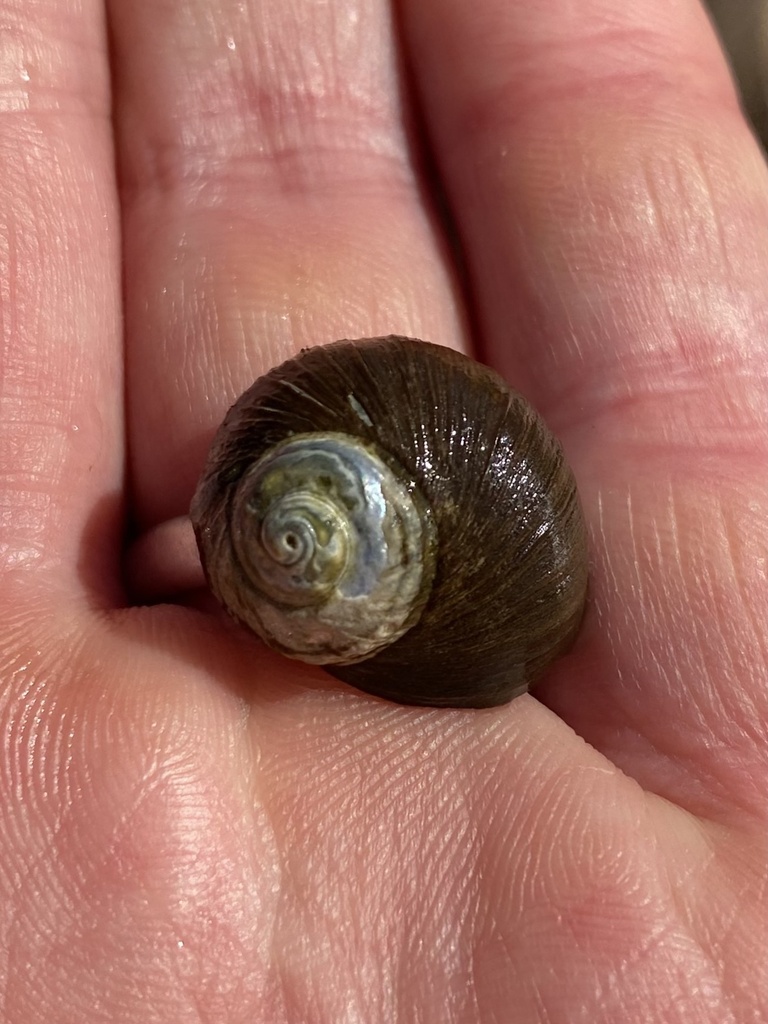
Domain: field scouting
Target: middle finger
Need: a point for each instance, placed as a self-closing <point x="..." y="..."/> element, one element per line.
<point x="271" y="201"/>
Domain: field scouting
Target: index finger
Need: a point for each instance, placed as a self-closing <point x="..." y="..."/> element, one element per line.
<point x="614" y="206"/>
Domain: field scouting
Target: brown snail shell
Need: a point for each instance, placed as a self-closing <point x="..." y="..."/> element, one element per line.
<point x="393" y="510"/>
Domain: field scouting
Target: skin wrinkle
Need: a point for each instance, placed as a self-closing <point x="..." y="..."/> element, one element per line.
<point x="738" y="557"/>
<point x="41" y="72"/>
<point x="533" y="870"/>
<point x="294" y="170"/>
<point x="39" y="878"/>
<point x="712" y="611"/>
<point x="664" y="551"/>
<point x="27" y="718"/>
<point x="721" y="941"/>
<point x="144" y="790"/>
<point x="610" y="584"/>
<point x="401" y="824"/>
<point x="540" y="105"/>
<point x="37" y="454"/>
<point x="604" y="46"/>
<point x="641" y="316"/>
<point x="685" y="757"/>
<point x="669" y="764"/>
<point x="22" y="511"/>
<point x="573" y="835"/>
<point x="707" y="225"/>
<point x="455" y="849"/>
<point x="709" y="194"/>
<point x="675" y="888"/>
<point x="8" y="294"/>
<point x="278" y="129"/>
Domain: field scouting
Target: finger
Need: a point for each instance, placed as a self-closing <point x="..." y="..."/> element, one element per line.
<point x="270" y="201"/>
<point x="593" y="155"/>
<point x="60" y="393"/>
<point x="614" y="208"/>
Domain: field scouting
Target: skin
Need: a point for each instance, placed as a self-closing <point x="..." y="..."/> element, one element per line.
<point x="194" y="830"/>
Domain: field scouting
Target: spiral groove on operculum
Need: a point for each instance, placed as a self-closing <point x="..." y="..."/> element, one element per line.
<point x="338" y="550"/>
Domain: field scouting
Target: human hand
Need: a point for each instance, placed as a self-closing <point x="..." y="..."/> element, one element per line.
<point x="193" y="829"/>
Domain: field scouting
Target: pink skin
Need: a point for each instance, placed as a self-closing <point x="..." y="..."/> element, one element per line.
<point x="194" y="830"/>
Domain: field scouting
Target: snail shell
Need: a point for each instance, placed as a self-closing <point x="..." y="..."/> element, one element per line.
<point x="392" y="510"/>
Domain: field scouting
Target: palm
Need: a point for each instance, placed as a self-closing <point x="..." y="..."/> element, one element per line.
<point x="193" y="829"/>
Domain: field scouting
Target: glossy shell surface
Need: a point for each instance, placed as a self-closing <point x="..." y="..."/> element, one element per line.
<point x="393" y="510"/>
